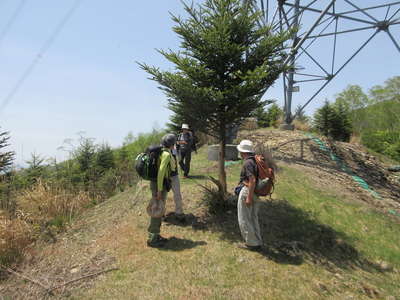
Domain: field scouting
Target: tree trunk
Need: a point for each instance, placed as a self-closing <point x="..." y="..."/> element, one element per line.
<point x="221" y="166"/>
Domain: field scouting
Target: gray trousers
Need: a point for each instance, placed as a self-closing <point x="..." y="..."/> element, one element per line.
<point x="155" y="222"/>
<point x="176" y="189"/>
<point x="248" y="219"/>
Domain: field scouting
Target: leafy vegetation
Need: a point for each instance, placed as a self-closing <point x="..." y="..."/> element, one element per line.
<point x="374" y="118"/>
<point x="269" y="117"/>
<point x="333" y="121"/>
<point x="6" y="157"/>
<point x="38" y="201"/>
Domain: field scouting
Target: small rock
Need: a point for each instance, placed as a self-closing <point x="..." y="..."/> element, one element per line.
<point x="370" y="291"/>
<point x="384" y="266"/>
<point x="337" y="275"/>
<point x="322" y="286"/>
<point x="241" y="260"/>
<point x="74" y="270"/>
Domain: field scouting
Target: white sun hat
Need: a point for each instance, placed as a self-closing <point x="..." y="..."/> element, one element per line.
<point x="185" y="126"/>
<point x="246" y="146"/>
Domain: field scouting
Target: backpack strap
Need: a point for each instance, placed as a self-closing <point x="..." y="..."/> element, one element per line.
<point x="255" y="161"/>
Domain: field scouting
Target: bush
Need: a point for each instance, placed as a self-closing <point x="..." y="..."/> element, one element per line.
<point x="7" y="199"/>
<point x="15" y="235"/>
<point x="214" y="201"/>
<point x="333" y="121"/>
<point x="301" y="125"/>
<point x="383" y="141"/>
<point x="45" y="202"/>
<point x="274" y="114"/>
<point x="108" y="183"/>
<point x="393" y="151"/>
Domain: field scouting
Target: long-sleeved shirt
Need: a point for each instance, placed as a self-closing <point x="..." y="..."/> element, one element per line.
<point x="164" y="169"/>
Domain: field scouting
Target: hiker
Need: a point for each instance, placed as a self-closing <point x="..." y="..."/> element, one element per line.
<point x="185" y="145"/>
<point x="159" y="191"/>
<point x="248" y="201"/>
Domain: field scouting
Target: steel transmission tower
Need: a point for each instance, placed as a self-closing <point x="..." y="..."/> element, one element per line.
<point x="320" y="24"/>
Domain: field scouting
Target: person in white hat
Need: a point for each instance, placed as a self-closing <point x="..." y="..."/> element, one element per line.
<point x="185" y="145"/>
<point x="248" y="202"/>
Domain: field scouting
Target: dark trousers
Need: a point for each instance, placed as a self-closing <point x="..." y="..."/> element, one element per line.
<point x="184" y="162"/>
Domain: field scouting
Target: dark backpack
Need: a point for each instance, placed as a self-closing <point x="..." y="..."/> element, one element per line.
<point x="146" y="163"/>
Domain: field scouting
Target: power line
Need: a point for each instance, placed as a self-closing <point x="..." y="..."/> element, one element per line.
<point x="12" y="20"/>
<point x="40" y="55"/>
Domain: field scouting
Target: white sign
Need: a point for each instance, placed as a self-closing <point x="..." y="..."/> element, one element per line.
<point x="295" y="89"/>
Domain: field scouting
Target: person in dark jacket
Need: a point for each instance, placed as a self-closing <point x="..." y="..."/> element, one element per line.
<point x="186" y="145"/>
<point x="248" y="202"/>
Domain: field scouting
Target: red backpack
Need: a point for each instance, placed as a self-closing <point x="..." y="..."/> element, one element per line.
<point x="265" y="177"/>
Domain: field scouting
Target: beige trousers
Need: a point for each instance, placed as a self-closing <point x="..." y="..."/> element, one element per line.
<point x="248" y="219"/>
<point x="176" y="189"/>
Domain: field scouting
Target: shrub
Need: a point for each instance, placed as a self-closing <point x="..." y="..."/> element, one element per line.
<point x="214" y="201"/>
<point x="15" y="235"/>
<point x="274" y="114"/>
<point x="44" y="202"/>
<point x="108" y="183"/>
<point x="301" y="125"/>
<point x="393" y="151"/>
<point x="333" y="121"/>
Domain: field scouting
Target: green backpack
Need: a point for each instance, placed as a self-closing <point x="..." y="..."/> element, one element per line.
<point x="146" y="163"/>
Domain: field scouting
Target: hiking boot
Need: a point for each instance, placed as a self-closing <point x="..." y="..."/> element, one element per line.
<point x="250" y="248"/>
<point x="157" y="242"/>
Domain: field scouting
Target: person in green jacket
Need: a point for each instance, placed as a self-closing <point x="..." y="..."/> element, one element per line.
<point x="159" y="191"/>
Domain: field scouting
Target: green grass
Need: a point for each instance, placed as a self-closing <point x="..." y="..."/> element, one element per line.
<point x="339" y="246"/>
<point x="372" y="233"/>
<point x="342" y="242"/>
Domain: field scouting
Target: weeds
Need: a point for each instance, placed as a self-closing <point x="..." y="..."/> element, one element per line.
<point x="15" y="235"/>
<point x="44" y="202"/>
<point x="301" y="125"/>
<point x="216" y="202"/>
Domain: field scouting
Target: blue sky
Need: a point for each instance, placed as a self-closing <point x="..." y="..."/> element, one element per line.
<point x="88" y="79"/>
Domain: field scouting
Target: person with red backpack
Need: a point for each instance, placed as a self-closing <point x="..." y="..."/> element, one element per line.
<point x="248" y="201"/>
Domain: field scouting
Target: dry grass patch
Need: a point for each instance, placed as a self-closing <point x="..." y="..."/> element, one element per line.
<point x="45" y="203"/>
<point x="15" y="235"/>
<point x="301" y="125"/>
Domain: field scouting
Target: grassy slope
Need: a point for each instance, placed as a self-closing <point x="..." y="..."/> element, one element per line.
<point x="339" y="244"/>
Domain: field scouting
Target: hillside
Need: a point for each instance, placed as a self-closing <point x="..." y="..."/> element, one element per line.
<point x="328" y="236"/>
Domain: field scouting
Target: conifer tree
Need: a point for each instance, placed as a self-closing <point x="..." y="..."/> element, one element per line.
<point x="273" y="114"/>
<point x="6" y="157"/>
<point x="104" y="158"/>
<point x="35" y="168"/>
<point x="333" y="121"/>
<point x="323" y="119"/>
<point x="341" y="127"/>
<point x="301" y="115"/>
<point x="227" y="62"/>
